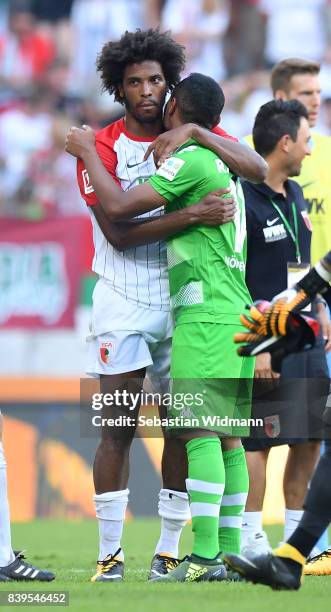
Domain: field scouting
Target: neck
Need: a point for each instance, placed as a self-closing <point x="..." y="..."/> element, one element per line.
<point x="144" y="130"/>
<point x="276" y="176"/>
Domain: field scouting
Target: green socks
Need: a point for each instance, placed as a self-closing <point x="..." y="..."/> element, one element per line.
<point x="205" y="485"/>
<point x="234" y="500"/>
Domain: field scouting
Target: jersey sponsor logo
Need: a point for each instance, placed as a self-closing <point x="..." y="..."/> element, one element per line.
<point x="235" y="264"/>
<point x="272" y="222"/>
<point x="274" y="233"/>
<point x="315" y="206"/>
<point x="307" y="220"/>
<point x="105" y="350"/>
<point x="170" y="168"/>
<point x="88" y="187"/>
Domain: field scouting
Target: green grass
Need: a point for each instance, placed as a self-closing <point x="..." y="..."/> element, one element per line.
<point x="70" y="549"/>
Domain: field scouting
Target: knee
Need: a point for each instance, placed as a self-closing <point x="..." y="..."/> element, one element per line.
<point x="116" y="444"/>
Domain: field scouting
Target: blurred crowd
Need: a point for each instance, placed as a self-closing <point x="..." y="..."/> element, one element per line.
<point x="48" y="79"/>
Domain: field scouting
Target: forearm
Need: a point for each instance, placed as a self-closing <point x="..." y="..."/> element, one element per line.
<point x="241" y="159"/>
<point x="135" y="234"/>
<point x="107" y="190"/>
<point x="118" y="204"/>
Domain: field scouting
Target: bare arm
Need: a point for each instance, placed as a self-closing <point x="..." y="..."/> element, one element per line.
<point x="116" y="203"/>
<point x="241" y="159"/>
<point x="125" y="234"/>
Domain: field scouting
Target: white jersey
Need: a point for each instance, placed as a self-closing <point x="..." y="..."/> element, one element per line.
<point x="139" y="274"/>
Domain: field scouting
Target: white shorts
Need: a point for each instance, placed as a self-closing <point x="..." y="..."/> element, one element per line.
<point x="125" y="337"/>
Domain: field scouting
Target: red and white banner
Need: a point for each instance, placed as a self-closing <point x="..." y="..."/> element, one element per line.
<point x="40" y="269"/>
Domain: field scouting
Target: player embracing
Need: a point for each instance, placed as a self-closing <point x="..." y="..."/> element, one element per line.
<point x="131" y="325"/>
<point x="207" y="291"/>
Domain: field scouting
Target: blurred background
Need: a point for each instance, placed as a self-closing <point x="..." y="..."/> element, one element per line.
<point x="47" y="83"/>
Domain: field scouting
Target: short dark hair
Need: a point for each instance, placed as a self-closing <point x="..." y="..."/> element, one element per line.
<point x="274" y="120"/>
<point x="282" y="72"/>
<point x="200" y="100"/>
<point x="137" y="47"/>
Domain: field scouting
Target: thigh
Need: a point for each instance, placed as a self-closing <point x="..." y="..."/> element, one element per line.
<point x="207" y="350"/>
<point x="121" y="408"/>
<point x="206" y="369"/>
<point x="158" y="371"/>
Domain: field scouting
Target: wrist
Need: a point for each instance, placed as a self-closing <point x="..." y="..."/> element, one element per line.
<point x="88" y="154"/>
<point x="190" y="215"/>
<point x="314" y="282"/>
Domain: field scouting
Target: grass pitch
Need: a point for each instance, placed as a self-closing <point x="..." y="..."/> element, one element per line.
<point x="70" y="549"/>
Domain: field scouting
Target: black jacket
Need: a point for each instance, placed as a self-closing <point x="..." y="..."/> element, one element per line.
<point x="269" y="245"/>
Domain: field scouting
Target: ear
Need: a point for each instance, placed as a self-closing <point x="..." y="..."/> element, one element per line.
<point x="172" y="106"/>
<point x="121" y="91"/>
<point x="284" y="143"/>
<point x="280" y="94"/>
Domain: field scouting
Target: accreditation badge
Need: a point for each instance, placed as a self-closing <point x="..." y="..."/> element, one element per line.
<point x="295" y="272"/>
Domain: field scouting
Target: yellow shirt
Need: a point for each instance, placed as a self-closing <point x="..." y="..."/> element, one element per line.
<point x="315" y="180"/>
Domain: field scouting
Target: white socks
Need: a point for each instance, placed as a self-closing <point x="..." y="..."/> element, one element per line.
<point x="110" y="507"/>
<point x="174" y="510"/>
<point x="110" y="511"/>
<point x="292" y="520"/>
<point x="6" y="552"/>
<point x="252" y="524"/>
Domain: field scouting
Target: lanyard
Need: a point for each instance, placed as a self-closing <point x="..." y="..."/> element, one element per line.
<point x="293" y="234"/>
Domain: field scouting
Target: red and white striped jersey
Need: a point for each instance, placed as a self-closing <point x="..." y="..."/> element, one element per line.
<point x="139" y="274"/>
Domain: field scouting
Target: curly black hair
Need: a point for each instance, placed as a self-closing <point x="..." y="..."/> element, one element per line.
<point x="136" y="47"/>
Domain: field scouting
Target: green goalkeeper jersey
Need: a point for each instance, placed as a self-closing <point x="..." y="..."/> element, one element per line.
<point x="206" y="264"/>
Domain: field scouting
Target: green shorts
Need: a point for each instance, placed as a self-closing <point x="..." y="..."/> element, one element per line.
<point x="211" y="384"/>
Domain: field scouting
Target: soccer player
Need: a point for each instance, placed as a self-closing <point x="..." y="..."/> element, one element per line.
<point x="131" y="321"/>
<point x="284" y="567"/>
<point x="12" y="563"/>
<point x="271" y="246"/>
<point x="298" y="79"/>
<point x="207" y="288"/>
